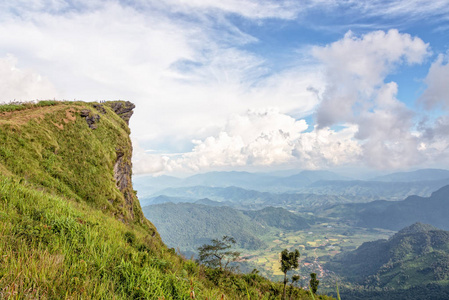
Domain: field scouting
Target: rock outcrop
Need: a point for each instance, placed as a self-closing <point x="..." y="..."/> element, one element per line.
<point x="122" y="108"/>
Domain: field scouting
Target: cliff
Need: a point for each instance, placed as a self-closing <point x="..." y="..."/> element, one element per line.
<point x="76" y="150"/>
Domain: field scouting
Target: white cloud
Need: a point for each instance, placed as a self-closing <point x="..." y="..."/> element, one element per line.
<point x="22" y="84"/>
<point x="263" y="138"/>
<point x="437" y="92"/>
<point x="282" y="9"/>
<point x="356" y="68"/>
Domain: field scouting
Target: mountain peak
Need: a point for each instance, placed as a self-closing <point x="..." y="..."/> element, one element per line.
<point x="416" y="228"/>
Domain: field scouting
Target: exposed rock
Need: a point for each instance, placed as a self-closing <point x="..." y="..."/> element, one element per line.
<point x="91" y="119"/>
<point x="124" y="109"/>
<point x="122" y="176"/>
<point x="100" y="108"/>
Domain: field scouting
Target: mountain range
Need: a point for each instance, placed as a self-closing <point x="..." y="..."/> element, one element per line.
<point x="395" y="215"/>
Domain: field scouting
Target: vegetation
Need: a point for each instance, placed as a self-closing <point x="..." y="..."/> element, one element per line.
<point x="313" y="283"/>
<point x="70" y="224"/>
<point x="289" y="261"/>
<point x="218" y="254"/>
<point x="414" y="257"/>
<point x="187" y="226"/>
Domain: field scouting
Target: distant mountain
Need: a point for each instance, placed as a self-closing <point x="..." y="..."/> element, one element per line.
<point x="395" y="215"/>
<point x="307" y="177"/>
<point x="189" y="225"/>
<point x="249" y="199"/>
<point x="164" y="199"/>
<point x="278" y="217"/>
<point x="227" y="179"/>
<point x="147" y="185"/>
<point x="264" y="182"/>
<point x="415" y="256"/>
<point x="375" y="190"/>
<point x="418" y="175"/>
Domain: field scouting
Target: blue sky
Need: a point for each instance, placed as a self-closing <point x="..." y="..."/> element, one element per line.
<point x="245" y="84"/>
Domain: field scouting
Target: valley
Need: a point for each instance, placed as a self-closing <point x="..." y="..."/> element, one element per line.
<point x="323" y="227"/>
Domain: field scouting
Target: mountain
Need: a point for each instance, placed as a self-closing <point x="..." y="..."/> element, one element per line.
<point x="309" y="177"/>
<point x="418" y="175"/>
<point x="395" y="215"/>
<point x="263" y="182"/>
<point x="71" y="224"/>
<point x="375" y="190"/>
<point x="416" y="256"/>
<point x="278" y="217"/>
<point x="248" y="199"/>
<point x="189" y="225"/>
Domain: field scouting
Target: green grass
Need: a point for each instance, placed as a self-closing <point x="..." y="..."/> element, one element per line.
<point x="66" y="230"/>
<point x="16" y="106"/>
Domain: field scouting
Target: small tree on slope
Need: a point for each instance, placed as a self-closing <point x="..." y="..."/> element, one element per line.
<point x="289" y="261"/>
<point x="218" y="254"/>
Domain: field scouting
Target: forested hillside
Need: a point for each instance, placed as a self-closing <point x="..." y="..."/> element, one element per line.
<point x="190" y="225"/>
<point x="416" y="256"/>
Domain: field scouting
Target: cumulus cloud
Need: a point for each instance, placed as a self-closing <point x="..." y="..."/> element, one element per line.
<point x="437" y="92"/>
<point x="263" y="138"/>
<point x="22" y="84"/>
<point x="356" y="93"/>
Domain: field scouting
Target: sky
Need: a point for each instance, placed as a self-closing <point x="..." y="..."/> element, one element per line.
<point x="245" y="84"/>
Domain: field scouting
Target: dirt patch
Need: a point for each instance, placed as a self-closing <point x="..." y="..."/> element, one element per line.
<point x="37" y="113"/>
<point x="60" y="126"/>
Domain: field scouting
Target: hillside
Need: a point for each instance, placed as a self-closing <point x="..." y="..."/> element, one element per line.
<point x="417" y="255"/>
<point x="72" y="226"/>
<point x="395" y="215"/>
<point x="190" y="225"/>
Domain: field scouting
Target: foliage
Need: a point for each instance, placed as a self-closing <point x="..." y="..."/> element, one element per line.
<point x="289" y="261"/>
<point x="218" y="254"/>
<point x="313" y="283"/>
<point x="188" y="226"/>
<point x="415" y="256"/>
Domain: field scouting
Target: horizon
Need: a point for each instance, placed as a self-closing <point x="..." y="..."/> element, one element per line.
<point x="273" y="86"/>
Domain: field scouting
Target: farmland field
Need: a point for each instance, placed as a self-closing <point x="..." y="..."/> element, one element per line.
<point x="316" y="245"/>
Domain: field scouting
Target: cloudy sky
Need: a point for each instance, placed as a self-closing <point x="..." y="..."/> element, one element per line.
<point x="245" y="84"/>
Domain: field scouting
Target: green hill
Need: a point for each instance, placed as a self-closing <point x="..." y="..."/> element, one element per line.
<point x="278" y="217"/>
<point x="71" y="225"/>
<point x="416" y="256"/>
<point x="188" y="225"/>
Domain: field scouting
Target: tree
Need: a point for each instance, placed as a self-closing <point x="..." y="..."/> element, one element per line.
<point x="218" y="254"/>
<point x="314" y="282"/>
<point x="289" y="261"/>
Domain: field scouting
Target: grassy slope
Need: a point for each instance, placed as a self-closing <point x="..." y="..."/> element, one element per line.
<point x="66" y="230"/>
